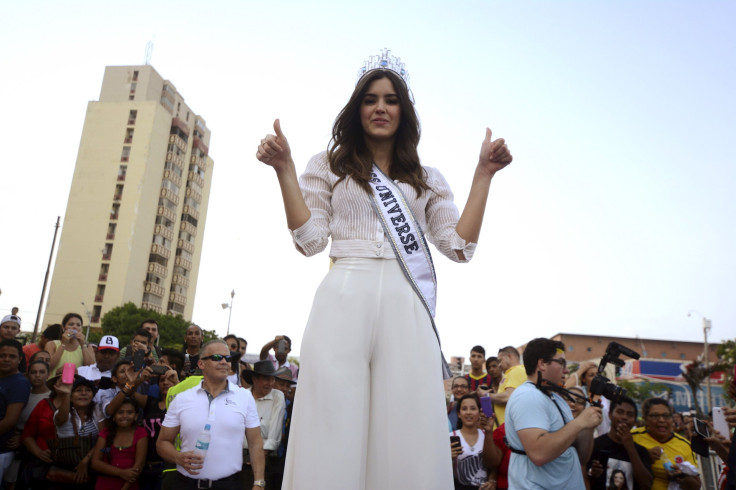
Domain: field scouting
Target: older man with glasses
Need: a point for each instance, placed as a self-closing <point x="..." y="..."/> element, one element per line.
<point x="460" y="387"/>
<point x="671" y="453"/>
<point x="225" y="410"/>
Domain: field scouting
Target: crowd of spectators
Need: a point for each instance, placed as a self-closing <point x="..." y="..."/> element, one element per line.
<point x="528" y="423"/>
<point x="74" y="415"/>
<point x="118" y="418"/>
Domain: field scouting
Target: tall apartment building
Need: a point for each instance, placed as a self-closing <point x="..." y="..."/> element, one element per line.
<point x="135" y="218"/>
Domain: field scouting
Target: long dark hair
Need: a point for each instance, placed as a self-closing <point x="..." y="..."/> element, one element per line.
<point x="113" y="427"/>
<point x="347" y="152"/>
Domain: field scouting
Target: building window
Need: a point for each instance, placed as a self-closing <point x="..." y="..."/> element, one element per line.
<point x="126" y="154"/>
<point x="111" y="227"/>
<point x="107" y="251"/>
<point x="135" y="75"/>
<point x="128" y="135"/>
<point x="157" y="259"/>
<point x="115" y="211"/>
<point x="121" y="172"/>
<point x="664" y="353"/>
<point x="682" y="355"/>
<point x="132" y="117"/>
<point x="590" y="349"/>
<point x="96" y="312"/>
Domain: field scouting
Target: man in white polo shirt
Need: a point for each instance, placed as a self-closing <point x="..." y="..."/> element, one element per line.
<point x="231" y="413"/>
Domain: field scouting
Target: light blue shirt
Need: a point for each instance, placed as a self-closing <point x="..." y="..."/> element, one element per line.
<point x="529" y="408"/>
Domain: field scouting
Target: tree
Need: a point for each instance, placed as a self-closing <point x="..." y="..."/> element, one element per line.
<point x="727" y="358"/>
<point x="124" y="321"/>
<point x="644" y="390"/>
<point x="695" y="373"/>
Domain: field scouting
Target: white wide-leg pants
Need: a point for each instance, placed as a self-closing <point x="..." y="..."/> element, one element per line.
<point x="369" y="411"/>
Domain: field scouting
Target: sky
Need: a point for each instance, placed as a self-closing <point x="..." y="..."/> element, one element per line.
<point x="616" y="216"/>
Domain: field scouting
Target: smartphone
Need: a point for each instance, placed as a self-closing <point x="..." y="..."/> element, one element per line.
<point x="158" y="369"/>
<point x="282" y="346"/>
<point x="719" y="422"/>
<point x="138" y="360"/>
<point x="602" y="457"/>
<point x="67" y="375"/>
<point x="486" y="405"/>
<point x="454" y="440"/>
<point x="701" y="428"/>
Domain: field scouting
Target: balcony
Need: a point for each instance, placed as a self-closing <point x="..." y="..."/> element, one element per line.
<point x="185" y="245"/>
<point x="175" y="159"/>
<point x="153" y="288"/>
<point x="167" y="213"/>
<point x="188" y="227"/>
<point x="182" y="262"/>
<point x="198" y="143"/>
<point x="194" y="195"/>
<point x="164" y="232"/>
<point x="194" y="177"/>
<point x="95" y="319"/>
<point x="102" y="278"/>
<point x="127" y="141"/>
<point x="113" y="216"/>
<point x="124" y="158"/>
<point x="169" y="194"/>
<point x="191" y="211"/>
<point x="177" y="298"/>
<point x="151" y="307"/>
<point x="99" y="298"/>
<point x="160" y="250"/>
<point x="176" y="122"/>
<point x="106" y="256"/>
<point x="173" y="177"/>
<point x="117" y="197"/>
<point x="180" y="280"/>
<point x="110" y="236"/>
<point x="178" y="141"/>
<point x="157" y="269"/>
<point x="121" y="178"/>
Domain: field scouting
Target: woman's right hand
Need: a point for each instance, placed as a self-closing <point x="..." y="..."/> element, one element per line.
<point x="44" y="455"/>
<point x="456" y="449"/>
<point x="62" y="388"/>
<point x="274" y="150"/>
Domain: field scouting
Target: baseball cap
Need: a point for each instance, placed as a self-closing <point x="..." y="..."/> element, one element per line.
<point x="109" y="342"/>
<point x="11" y="319"/>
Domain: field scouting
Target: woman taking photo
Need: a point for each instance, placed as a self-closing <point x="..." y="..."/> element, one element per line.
<point x="467" y="453"/>
<point x="72" y="346"/>
<point x="371" y="195"/>
<point x="74" y="419"/>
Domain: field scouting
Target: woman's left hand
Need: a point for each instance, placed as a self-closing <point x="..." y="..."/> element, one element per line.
<point x="81" y="472"/>
<point x="489" y="485"/>
<point x="494" y="154"/>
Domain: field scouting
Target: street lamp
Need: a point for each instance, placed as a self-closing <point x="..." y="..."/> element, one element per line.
<point x="229" y="305"/>
<point x="706" y="329"/>
<point x="89" y="321"/>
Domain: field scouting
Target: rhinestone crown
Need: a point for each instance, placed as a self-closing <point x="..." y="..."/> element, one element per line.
<point x="384" y="61"/>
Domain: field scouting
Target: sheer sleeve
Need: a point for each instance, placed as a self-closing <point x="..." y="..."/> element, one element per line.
<point x="442" y="217"/>
<point x="311" y="237"/>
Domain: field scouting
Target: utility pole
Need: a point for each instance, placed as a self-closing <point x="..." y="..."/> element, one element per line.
<point x="45" y="281"/>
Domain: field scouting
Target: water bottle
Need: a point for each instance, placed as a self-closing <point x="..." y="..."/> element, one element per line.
<point x="203" y="441"/>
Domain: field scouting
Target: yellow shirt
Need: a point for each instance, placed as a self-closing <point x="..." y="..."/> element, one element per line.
<point x="677" y="450"/>
<point x="514" y="377"/>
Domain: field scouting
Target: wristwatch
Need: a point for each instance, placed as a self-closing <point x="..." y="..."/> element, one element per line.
<point x="260" y="483"/>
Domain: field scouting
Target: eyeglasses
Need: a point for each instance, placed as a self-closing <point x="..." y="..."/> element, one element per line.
<point x="663" y="416"/>
<point x="561" y="362"/>
<point x="461" y="386"/>
<point x="217" y="358"/>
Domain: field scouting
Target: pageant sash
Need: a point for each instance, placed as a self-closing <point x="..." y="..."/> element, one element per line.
<point x="407" y="240"/>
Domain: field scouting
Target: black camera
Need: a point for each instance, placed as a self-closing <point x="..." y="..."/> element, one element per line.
<point x="602" y="386"/>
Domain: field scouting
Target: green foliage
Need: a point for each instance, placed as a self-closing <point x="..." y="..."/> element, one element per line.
<point x="644" y="390"/>
<point x="123" y="321"/>
<point x="727" y="358"/>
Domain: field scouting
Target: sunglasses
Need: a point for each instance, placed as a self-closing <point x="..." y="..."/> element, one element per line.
<point x="218" y="358"/>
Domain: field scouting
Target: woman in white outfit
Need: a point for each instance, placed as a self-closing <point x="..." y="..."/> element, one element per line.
<point x="370" y="412"/>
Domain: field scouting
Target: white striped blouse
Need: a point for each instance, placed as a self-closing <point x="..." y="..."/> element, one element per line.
<point x="345" y="213"/>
